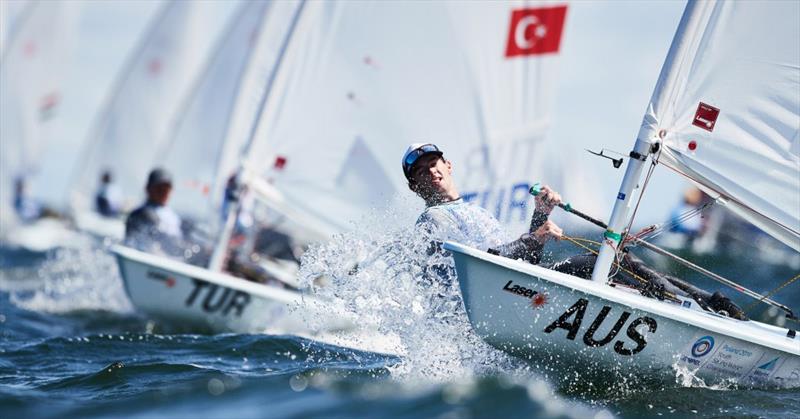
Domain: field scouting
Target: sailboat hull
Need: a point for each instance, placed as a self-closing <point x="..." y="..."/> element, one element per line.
<point x="565" y="323"/>
<point x="43" y="235"/>
<point x="190" y="297"/>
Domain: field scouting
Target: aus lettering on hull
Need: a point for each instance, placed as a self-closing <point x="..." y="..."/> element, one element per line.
<point x="572" y="320"/>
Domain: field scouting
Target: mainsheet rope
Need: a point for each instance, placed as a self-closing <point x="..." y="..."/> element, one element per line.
<point x="577" y="241"/>
<point x="771" y="293"/>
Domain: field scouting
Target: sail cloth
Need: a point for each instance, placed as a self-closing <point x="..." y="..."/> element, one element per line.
<point x="11" y="14"/>
<point x="143" y="105"/>
<point x="727" y="108"/>
<point x="88" y="72"/>
<point x="362" y="80"/>
<point x="31" y="88"/>
<point x="200" y="151"/>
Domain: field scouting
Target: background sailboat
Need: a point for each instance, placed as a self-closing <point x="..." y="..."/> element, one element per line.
<point x="31" y="91"/>
<point x="205" y="144"/>
<point x="142" y="107"/>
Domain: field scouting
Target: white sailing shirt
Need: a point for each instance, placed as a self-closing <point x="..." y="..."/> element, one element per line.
<point x="169" y="222"/>
<point x="464" y="223"/>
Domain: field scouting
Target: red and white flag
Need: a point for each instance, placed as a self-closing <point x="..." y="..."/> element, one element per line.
<point x="535" y="31"/>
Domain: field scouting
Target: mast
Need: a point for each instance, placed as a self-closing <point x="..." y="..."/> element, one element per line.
<point x="221" y="247"/>
<point x="647" y="140"/>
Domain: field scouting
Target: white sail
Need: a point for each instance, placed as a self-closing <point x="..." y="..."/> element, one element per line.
<point x="148" y="94"/>
<point x="196" y="149"/>
<point x="11" y="13"/>
<point x="217" y="122"/>
<point x="362" y="80"/>
<point x="727" y="107"/>
<point x="31" y="88"/>
<point x="89" y="72"/>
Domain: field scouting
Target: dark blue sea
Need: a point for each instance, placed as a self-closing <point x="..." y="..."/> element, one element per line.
<point x="72" y="346"/>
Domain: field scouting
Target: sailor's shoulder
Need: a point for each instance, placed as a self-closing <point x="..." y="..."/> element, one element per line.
<point x="466" y="208"/>
<point x="143" y="213"/>
<point x="434" y="214"/>
<point x="137" y="212"/>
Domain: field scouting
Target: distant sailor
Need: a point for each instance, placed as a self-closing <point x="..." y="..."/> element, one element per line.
<point x="108" y="201"/>
<point x="690" y="226"/>
<point x="27" y="209"/>
<point x="448" y="217"/>
<point x="154" y="226"/>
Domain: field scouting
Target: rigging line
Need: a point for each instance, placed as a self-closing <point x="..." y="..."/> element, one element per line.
<point x="734" y="201"/>
<point x="636" y="208"/>
<point x="641" y="194"/>
<point x="714" y="276"/>
<point x="771" y="293"/>
<point x="618" y="265"/>
<point x="656" y="229"/>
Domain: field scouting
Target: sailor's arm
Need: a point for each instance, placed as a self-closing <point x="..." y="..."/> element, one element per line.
<point x="529" y="246"/>
<point x="546" y="200"/>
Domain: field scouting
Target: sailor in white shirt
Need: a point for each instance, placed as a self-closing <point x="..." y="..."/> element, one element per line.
<point x="448" y="217"/>
<point x="154" y="224"/>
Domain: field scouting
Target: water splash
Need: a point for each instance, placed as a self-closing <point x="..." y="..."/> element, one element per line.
<point x="388" y="281"/>
<point x="82" y="277"/>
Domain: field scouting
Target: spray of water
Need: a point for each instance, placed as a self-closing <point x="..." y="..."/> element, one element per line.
<point x="82" y="277"/>
<point x="388" y="280"/>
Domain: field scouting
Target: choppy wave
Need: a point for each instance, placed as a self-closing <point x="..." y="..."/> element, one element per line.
<point x="144" y="375"/>
<point x="72" y="347"/>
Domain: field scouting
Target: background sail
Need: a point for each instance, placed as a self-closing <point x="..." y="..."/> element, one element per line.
<point x="728" y="102"/>
<point x="88" y="75"/>
<point x="148" y="95"/>
<point x="197" y="148"/>
<point x="10" y="14"/>
<point x="345" y="106"/>
<point x="31" y="88"/>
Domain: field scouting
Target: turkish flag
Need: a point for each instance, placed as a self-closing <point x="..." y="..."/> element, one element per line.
<point x="535" y="30"/>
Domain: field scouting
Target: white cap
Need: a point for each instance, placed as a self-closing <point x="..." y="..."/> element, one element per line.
<point x="414" y="152"/>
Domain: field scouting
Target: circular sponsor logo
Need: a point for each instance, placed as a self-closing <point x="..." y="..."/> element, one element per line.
<point x="702" y="346"/>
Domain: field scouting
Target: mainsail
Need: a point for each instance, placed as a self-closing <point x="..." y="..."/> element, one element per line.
<point x="148" y="94"/>
<point x="197" y="152"/>
<point x="362" y="80"/>
<point x="727" y="109"/>
<point x="11" y="13"/>
<point x="31" y="88"/>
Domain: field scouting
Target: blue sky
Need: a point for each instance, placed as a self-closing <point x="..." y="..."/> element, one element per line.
<point x="612" y="54"/>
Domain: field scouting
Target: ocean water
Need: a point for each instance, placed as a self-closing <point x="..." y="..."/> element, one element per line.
<point x="72" y="345"/>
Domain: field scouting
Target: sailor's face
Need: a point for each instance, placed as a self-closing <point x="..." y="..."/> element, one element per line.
<point x="432" y="175"/>
<point x="159" y="193"/>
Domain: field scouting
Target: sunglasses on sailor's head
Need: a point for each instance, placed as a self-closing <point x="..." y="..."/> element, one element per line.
<point x="414" y="155"/>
